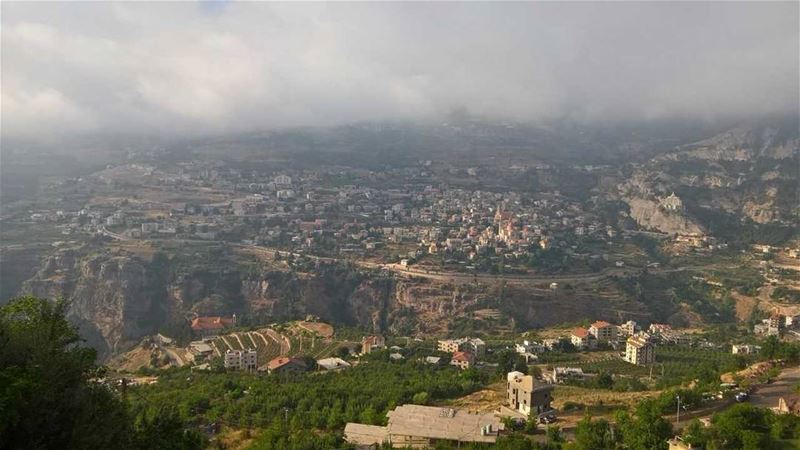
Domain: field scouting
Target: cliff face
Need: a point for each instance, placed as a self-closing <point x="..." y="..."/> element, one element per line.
<point x="114" y="295"/>
<point x="745" y="172"/>
<point x="116" y="299"/>
<point x="649" y="215"/>
<point x="113" y="299"/>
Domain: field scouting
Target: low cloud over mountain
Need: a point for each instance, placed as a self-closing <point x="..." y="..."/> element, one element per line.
<point x="188" y="68"/>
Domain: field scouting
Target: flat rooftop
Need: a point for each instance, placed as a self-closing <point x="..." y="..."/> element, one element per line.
<point x="360" y="434"/>
<point x="442" y="423"/>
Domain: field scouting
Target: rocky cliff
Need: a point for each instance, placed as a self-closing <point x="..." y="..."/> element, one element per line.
<point x="114" y="299"/>
<point x="747" y="172"/>
<point x="650" y="216"/>
<point x="118" y="298"/>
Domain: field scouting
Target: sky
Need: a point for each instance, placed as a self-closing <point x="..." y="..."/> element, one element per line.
<point x="217" y="67"/>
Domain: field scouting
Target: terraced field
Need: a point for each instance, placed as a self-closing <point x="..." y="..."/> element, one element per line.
<point x="269" y="343"/>
<point x="231" y="342"/>
<point x="325" y="349"/>
<point x="221" y="344"/>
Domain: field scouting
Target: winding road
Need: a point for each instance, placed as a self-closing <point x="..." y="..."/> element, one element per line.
<point x="452" y="277"/>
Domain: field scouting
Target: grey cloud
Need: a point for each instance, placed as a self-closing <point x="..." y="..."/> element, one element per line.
<point x="196" y="68"/>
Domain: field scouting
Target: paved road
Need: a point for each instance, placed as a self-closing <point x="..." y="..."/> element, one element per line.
<point x="465" y="278"/>
<point x="764" y="396"/>
<point x="767" y="395"/>
<point x="453" y="277"/>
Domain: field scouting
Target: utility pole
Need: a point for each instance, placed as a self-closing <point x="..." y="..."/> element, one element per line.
<point x="678" y="412"/>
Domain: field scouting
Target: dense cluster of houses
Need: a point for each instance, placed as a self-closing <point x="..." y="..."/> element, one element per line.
<point x="294" y="208"/>
<point x="465" y="352"/>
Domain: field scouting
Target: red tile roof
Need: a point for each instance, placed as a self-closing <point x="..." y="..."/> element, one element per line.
<point x="601" y="324"/>
<point x="211" y="323"/>
<point x="580" y="332"/>
<point x="282" y="361"/>
<point x="463" y="356"/>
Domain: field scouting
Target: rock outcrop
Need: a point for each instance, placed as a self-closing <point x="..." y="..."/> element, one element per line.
<point x="114" y="299"/>
<point x="650" y="216"/>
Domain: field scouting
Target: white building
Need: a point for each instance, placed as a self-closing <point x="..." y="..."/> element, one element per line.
<point x="333" y="363"/>
<point x="672" y="203"/>
<point x="580" y="338"/>
<point x="639" y="350"/>
<point x="529" y="347"/>
<point x="283" y="180"/>
<point x="559" y="374"/>
<point x="241" y="360"/>
<point x="745" y="349"/>
<point x="550" y="343"/>
<point x="628" y="328"/>
<point x="475" y="346"/>
<point x="285" y="194"/>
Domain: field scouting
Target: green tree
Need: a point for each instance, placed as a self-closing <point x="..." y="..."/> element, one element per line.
<point x="604" y="380"/>
<point x="647" y="430"/>
<point x="555" y="439"/>
<point x="50" y="390"/>
<point x="420" y="398"/>
<point x="532" y="423"/>
<point x="695" y="434"/>
<point x="593" y="434"/>
<point x="505" y="361"/>
<point x="770" y="347"/>
<point x="48" y="398"/>
<point x="164" y="429"/>
<point x="742" y="426"/>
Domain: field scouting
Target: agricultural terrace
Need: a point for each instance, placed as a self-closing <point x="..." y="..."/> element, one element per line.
<point x="299" y="338"/>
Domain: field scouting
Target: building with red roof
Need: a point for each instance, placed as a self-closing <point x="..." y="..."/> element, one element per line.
<point x="603" y="331"/>
<point x="580" y="338"/>
<point x="285" y="365"/>
<point x="207" y="326"/>
<point x="463" y="360"/>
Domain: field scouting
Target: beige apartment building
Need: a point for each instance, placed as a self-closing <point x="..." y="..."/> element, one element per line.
<point x="639" y="350"/>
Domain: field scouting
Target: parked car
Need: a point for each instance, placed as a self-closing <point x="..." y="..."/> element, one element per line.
<point x="547" y="418"/>
<point x="742" y="396"/>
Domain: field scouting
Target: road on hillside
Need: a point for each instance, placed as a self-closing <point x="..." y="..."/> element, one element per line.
<point x="764" y="396"/>
<point x="464" y="278"/>
<point x="767" y="395"/>
<point x="452" y="277"/>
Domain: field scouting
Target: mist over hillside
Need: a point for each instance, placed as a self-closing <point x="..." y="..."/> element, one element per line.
<point x="479" y="225"/>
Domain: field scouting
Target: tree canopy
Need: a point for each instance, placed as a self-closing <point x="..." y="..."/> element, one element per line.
<point x="51" y="394"/>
